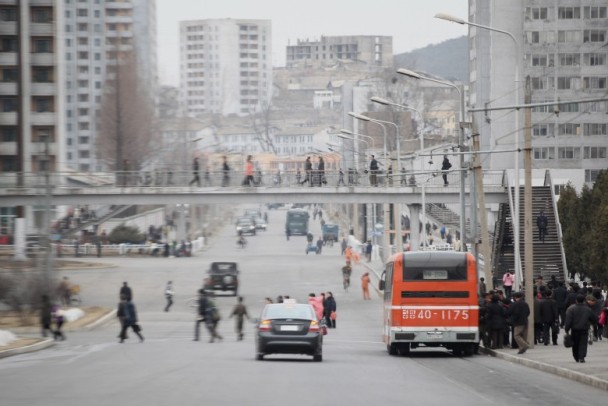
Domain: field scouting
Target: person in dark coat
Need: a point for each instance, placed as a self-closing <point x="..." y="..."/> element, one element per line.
<point x="329" y="306"/>
<point x="308" y="171"/>
<point x="549" y="318"/>
<point x="321" y="171"/>
<point x="240" y="311"/>
<point x="560" y="295"/>
<point x="126" y="291"/>
<point x="46" y="316"/>
<point x="542" y="223"/>
<point x="445" y="167"/>
<point x="128" y="318"/>
<point x="195" y="168"/>
<point x="518" y="313"/>
<point x="578" y="320"/>
<point x="495" y="322"/>
<point x="200" y="313"/>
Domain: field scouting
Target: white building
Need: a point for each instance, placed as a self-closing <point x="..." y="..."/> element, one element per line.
<point x="94" y="32"/>
<point x="561" y="47"/>
<point x="225" y="66"/>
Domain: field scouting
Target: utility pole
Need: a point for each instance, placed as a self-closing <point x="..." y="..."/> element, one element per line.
<point x="19" y="231"/>
<point x="485" y="249"/>
<point x="45" y="165"/>
<point x="528" y="240"/>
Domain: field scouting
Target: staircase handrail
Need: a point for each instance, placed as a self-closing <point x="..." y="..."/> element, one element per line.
<point x="558" y="225"/>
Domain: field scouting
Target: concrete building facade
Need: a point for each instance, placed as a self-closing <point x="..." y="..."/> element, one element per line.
<point x="95" y="33"/>
<point x="32" y="97"/>
<point x="225" y="66"/>
<point x="373" y="51"/>
<point x="561" y="48"/>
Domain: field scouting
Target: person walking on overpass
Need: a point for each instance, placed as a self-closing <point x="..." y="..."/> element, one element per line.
<point x="195" y="168"/>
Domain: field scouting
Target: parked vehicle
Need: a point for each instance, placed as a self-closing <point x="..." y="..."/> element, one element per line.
<point x="330" y="232"/>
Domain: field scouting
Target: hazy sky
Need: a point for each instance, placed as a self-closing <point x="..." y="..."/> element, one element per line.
<point x="409" y="22"/>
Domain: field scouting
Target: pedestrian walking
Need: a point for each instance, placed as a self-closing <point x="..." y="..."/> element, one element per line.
<point x="46" y="315"/>
<point x="549" y="317"/>
<point x="507" y="283"/>
<point x="63" y="291"/>
<point x="201" y="310"/>
<point x="482" y="287"/>
<point x="169" y="295"/>
<point x="321" y="171"/>
<point x="307" y="172"/>
<point x="225" y="172"/>
<point x="579" y="318"/>
<point x="212" y="318"/>
<point x="248" y="181"/>
<point x="340" y="178"/>
<point x="240" y="311"/>
<point x="59" y="320"/>
<point x="368" y="250"/>
<point x="365" y="286"/>
<point x="127" y="314"/>
<point x="347" y="270"/>
<point x="542" y="223"/>
<point x="445" y="167"/>
<point x="560" y="295"/>
<point x="518" y="312"/>
<point x="317" y="304"/>
<point x="195" y="168"/>
<point x="343" y="245"/>
<point x="126" y="291"/>
<point x="373" y="171"/>
<point x="330" y="307"/>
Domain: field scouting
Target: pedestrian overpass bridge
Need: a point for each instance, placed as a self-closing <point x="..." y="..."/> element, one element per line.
<point x="128" y="189"/>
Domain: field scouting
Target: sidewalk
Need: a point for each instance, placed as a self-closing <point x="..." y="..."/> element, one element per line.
<point x="556" y="359"/>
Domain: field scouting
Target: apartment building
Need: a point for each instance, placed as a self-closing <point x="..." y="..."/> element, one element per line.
<point x="96" y="32"/>
<point x="225" y="66"/>
<point x="372" y="51"/>
<point x="31" y="95"/>
<point x="561" y="47"/>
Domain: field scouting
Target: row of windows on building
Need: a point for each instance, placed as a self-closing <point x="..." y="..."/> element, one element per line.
<point x="9" y="43"/>
<point x="565" y="37"/>
<point x="568" y="82"/>
<point x="323" y="56"/>
<point x="86" y="27"/>
<point x="38" y="14"/>
<point x="242" y="55"/>
<point x="566" y="13"/>
<point x="567" y="59"/>
<point x="540" y="153"/>
<point x="589" y="129"/>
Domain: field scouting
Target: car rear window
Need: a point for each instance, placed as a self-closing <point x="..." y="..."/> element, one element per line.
<point x="289" y="311"/>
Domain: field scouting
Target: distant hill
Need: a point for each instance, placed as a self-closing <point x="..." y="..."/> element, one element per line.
<point x="448" y="59"/>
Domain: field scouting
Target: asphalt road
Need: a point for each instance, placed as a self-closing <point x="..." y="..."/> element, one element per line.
<point x="92" y="368"/>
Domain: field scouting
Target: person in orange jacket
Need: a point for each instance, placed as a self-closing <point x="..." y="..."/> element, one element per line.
<point x="365" y="286"/>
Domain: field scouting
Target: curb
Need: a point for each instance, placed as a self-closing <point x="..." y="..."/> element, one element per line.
<point x="28" y="348"/>
<point x="100" y="321"/>
<point x="552" y="369"/>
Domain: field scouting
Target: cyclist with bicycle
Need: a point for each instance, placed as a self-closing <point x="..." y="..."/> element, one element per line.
<point x="347" y="270"/>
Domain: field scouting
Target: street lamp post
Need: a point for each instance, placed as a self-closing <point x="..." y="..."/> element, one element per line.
<point x="457" y="20"/>
<point x="385" y="239"/>
<point x="416" y="75"/>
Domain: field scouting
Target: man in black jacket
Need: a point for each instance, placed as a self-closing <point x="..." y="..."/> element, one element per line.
<point x="518" y="312"/>
<point x="560" y="294"/>
<point x="578" y="320"/>
<point x="201" y="312"/>
<point x="549" y="318"/>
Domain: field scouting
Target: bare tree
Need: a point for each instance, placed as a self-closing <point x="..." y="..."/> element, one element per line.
<point x="262" y="126"/>
<point x="127" y="118"/>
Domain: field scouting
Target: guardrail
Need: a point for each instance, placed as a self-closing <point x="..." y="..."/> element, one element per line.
<point x="169" y="179"/>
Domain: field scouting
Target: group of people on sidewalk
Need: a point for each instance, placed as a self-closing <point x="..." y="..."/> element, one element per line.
<point x="580" y="311"/>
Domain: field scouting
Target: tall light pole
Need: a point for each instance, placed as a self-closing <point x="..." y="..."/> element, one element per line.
<point x="355" y="137"/>
<point x="447" y="17"/>
<point x="386" y="211"/>
<point x="416" y="75"/>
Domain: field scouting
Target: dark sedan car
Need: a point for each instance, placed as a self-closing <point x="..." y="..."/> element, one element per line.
<point x="289" y="328"/>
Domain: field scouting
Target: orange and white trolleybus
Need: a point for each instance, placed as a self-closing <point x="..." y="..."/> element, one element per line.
<point x="430" y="299"/>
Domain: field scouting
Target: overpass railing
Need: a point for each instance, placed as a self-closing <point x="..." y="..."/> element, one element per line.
<point x="282" y="179"/>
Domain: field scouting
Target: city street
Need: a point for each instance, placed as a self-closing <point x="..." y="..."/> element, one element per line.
<point x="92" y="368"/>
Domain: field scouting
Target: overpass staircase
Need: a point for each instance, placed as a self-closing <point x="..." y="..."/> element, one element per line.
<point x="548" y="256"/>
<point x="91" y="223"/>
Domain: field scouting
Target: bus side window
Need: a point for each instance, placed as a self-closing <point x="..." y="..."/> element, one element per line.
<point x="387" y="279"/>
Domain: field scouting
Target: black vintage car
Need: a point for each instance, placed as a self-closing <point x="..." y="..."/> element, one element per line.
<point x="223" y="276"/>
